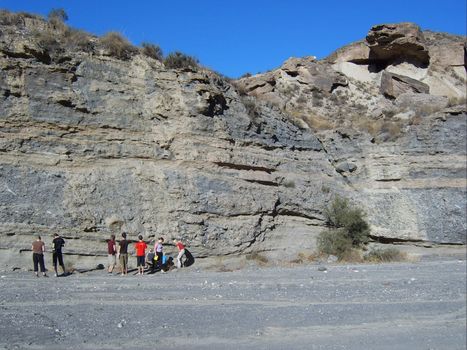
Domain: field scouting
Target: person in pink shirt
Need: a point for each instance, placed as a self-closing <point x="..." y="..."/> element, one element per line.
<point x="158" y="250"/>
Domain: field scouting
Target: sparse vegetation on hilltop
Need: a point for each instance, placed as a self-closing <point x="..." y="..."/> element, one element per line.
<point x="117" y="46"/>
<point x="55" y="38"/>
<point x="153" y="51"/>
<point x="179" y="60"/>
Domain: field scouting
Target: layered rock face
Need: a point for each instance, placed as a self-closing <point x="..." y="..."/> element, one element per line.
<point x="392" y="119"/>
<point x="92" y="145"/>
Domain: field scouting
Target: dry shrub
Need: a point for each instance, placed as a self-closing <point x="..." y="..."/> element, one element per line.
<point x="318" y="122"/>
<point x="258" y="258"/>
<point x="303" y="258"/>
<point x="393" y="128"/>
<point x="334" y="242"/>
<point x="416" y="120"/>
<point x="57" y="18"/>
<point x="47" y="40"/>
<point x="385" y="255"/>
<point x="352" y="256"/>
<point x="153" y="51"/>
<point x="373" y="127"/>
<point x="178" y="60"/>
<point x="117" y="46"/>
<point x="78" y="40"/>
<point x="252" y="108"/>
<point x="17" y="19"/>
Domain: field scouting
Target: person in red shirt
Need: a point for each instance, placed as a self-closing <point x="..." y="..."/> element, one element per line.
<point x="111" y="252"/>
<point x="140" y="248"/>
<point x="181" y="252"/>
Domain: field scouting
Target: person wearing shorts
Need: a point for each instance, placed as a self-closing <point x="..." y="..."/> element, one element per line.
<point x="140" y="248"/>
<point x="111" y="251"/>
<point x="181" y="252"/>
<point x="123" y="254"/>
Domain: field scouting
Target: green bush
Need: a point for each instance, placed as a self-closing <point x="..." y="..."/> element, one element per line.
<point x="153" y="51"/>
<point x="348" y="230"/>
<point x="117" y="46"/>
<point x="178" y="60"/>
<point x="334" y="242"/>
<point x="340" y="214"/>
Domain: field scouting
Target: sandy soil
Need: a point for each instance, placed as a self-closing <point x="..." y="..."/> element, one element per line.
<point x="390" y="306"/>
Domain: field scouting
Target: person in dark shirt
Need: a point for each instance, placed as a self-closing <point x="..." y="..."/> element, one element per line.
<point x="57" y="256"/>
<point x="123" y="254"/>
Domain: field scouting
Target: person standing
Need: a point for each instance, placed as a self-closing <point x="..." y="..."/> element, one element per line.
<point x="57" y="256"/>
<point x="123" y="254"/>
<point x="158" y="249"/>
<point x="140" y="248"/>
<point x="38" y="249"/>
<point x="181" y="252"/>
<point x="111" y="251"/>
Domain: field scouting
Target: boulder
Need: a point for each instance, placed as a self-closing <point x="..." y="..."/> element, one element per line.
<point x="345" y="167"/>
<point x="393" y="85"/>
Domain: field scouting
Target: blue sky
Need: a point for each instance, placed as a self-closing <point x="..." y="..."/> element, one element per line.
<point x="234" y="37"/>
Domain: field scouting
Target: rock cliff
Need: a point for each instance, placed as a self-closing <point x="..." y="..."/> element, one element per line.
<point x="93" y="144"/>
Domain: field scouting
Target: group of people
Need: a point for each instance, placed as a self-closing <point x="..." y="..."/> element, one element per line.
<point x="38" y="250"/>
<point x="154" y="260"/>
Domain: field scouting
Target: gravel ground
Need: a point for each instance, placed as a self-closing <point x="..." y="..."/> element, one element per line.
<point x="389" y="306"/>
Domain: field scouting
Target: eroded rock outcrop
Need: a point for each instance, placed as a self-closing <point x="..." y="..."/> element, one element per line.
<point x="390" y="132"/>
<point x="389" y="43"/>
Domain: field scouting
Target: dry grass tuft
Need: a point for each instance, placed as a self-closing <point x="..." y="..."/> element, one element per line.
<point x="303" y="258"/>
<point x="380" y="255"/>
<point x="257" y="258"/>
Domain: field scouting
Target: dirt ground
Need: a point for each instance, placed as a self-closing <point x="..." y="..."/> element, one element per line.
<point x="419" y="305"/>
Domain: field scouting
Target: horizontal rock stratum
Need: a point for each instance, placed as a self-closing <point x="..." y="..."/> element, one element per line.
<point x="93" y="144"/>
